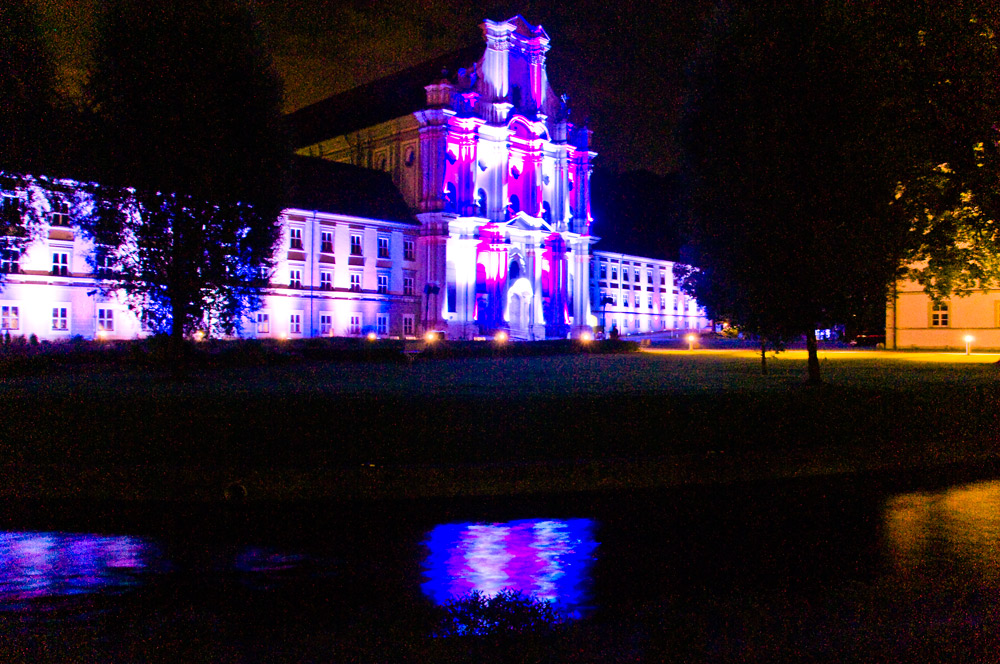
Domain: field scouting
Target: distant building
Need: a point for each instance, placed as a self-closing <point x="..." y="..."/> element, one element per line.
<point x="453" y="196"/>
<point x="913" y="320"/>
<point x="637" y="295"/>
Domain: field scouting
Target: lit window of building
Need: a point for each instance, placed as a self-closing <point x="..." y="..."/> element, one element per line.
<point x="409" y="251"/>
<point x="326" y="280"/>
<point x="355" y="327"/>
<point x="263" y="323"/>
<point x="295" y="324"/>
<point x="59" y="216"/>
<point x="408" y="324"/>
<point x="9" y="261"/>
<point x="383" y="283"/>
<point x="356" y="244"/>
<point x="408" y="286"/>
<point x="383" y="246"/>
<point x="326" y="242"/>
<point x="295" y="239"/>
<point x="295" y="278"/>
<point x="105" y="320"/>
<point x="60" y="321"/>
<point x="382" y="324"/>
<point x="60" y="264"/>
<point x="326" y="324"/>
<point x="355" y="281"/>
<point x="939" y="314"/>
<point x="10" y="318"/>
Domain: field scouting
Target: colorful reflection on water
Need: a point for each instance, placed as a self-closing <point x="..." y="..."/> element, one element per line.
<point x="35" y="565"/>
<point x="957" y="528"/>
<point x="549" y="559"/>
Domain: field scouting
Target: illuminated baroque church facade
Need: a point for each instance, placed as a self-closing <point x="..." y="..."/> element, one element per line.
<point x="451" y="197"/>
<point x="483" y="151"/>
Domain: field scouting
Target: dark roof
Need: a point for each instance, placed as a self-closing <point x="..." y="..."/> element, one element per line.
<point x="329" y="186"/>
<point x="379" y="101"/>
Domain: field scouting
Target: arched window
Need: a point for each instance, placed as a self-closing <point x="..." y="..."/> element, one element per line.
<point x="450" y="196"/>
<point x="481" y="202"/>
<point x="514" y="272"/>
<point x="546" y="212"/>
<point x="515" y="204"/>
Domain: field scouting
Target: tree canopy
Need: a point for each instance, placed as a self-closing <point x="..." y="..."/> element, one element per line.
<point x="813" y="137"/>
<point x="190" y="160"/>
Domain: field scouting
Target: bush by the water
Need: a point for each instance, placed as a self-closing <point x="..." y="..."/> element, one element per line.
<point x="505" y="627"/>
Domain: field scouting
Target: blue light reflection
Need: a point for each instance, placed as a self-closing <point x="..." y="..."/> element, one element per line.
<point x="36" y="565"/>
<point x="549" y="559"/>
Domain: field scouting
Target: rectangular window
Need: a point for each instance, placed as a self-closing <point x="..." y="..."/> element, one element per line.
<point x="326" y="242"/>
<point x="382" y="324"/>
<point x="295" y="324"/>
<point x="383" y="246"/>
<point x="105" y="320"/>
<point x="636" y="273"/>
<point x="649" y="275"/>
<point x="383" y="283"/>
<point x="408" y="286"/>
<point x="624" y="274"/>
<point x="663" y="277"/>
<point x="663" y="303"/>
<point x="637" y="300"/>
<point x="295" y="238"/>
<point x="263" y="324"/>
<point x="326" y="325"/>
<point x="408" y="325"/>
<point x="60" y="264"/>
<point x="60" y="321"/>
<point x="939" y="315"/>
<point x="614" y="274"/>
<point x="9" y="261"/>
<point x="355" y="281"/>
<point x="326" y="280"/>
<point x="103" y="264"/>
<point x="355" y="324"/>
<point x="59" y="216"/>
<point x="604" y="271"/>
<point x="409" y="250"/>
<point x="295" y="278"/>
<point x="356" y="244"/>
<point x="649" y="303"/>
<point x="10" y="318"/>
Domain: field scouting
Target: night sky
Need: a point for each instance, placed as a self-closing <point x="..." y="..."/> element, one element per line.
<point x="621" y="62"/>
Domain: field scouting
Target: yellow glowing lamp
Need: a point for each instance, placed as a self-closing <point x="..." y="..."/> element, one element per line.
<point x="586" y="337"/>
<point x="500" y="337"/>
<point x="372" y="336"/>
<point x="199" y="335"/>
<point x="430" y="337"/>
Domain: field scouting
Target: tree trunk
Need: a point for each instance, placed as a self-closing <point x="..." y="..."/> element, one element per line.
<point x="763" y="357"/>
<point x="811" y="347"/>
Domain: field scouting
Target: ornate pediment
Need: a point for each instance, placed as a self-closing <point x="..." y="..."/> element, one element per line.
<point x="525" y="222"/>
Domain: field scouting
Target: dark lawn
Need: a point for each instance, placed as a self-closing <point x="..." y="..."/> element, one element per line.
<point x="885" y="411"/>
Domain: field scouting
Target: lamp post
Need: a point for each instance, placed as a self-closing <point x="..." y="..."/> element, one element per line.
<point x="691" y="339"/>
<point x="968" y="344"/>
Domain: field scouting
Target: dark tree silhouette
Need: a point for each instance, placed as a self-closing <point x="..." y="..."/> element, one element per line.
<point x="804" y="128"/>
<point x="190" y="160"/>
<point x="27" y="91"/>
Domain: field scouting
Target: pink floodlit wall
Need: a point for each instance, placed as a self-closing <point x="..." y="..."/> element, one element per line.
<point x="491" y="278"/>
